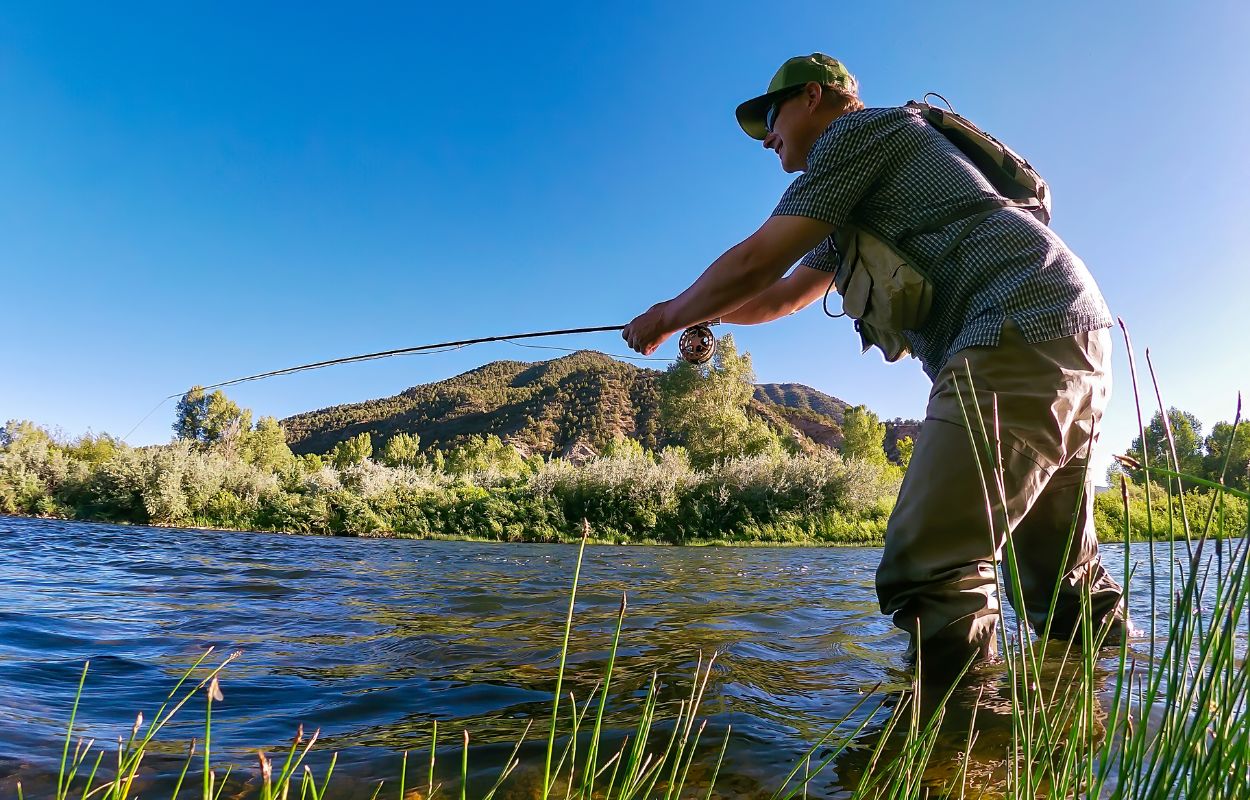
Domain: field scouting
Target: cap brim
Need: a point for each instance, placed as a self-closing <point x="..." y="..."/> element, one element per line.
<point x="751" y="114"/>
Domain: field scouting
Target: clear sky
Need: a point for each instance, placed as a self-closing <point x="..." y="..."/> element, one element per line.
<point x="191" y="192"/>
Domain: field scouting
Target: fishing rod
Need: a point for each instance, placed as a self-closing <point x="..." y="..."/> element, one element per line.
<point x="697" y="345"/>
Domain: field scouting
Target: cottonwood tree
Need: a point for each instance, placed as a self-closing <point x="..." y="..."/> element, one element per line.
<point x="212" y="419"/>
<point x="402" y="450"/>
<point x="623" y="448"/>
<point x="1187" y="434"/>
<point x="706" y="406"/>
<point x="266" y="446"/>
<point x="1217" y="445"/>
<point x="905" y="448"/>
<point x="484" y="453"/>
<point x="863" y="435"/>
<point x="353" y="451"/>
<point x="190" y="415"/>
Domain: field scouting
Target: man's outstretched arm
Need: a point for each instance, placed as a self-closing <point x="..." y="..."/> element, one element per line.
<point x="795" y="292"/>
<point x="742" y="273"/>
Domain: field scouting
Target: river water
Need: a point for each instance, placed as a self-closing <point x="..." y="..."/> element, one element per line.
<point x="371" y="640"/>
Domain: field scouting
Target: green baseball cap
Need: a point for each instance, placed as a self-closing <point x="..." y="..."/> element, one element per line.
<point x="797" y="71"/>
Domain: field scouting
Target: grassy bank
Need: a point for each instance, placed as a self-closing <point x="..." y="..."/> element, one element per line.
<point x="630" y="496"/>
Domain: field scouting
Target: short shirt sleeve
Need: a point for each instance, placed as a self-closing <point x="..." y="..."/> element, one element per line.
<point x="822" y="257"/>
<point x="843" y="165"/>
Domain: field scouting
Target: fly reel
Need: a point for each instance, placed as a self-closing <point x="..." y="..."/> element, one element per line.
<point x="698" y="344"/>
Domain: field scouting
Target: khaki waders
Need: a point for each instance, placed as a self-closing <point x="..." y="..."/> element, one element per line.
<point x="937" y="572"/>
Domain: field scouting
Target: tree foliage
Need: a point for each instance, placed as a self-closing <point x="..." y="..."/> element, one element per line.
<point x="479" y="454"/>
<point x="1187" y="434"/>
<point x="266" y="446"/>
<point x="707" y="406"/>
<point x="863" y="435"/>
<point x="402" y="450"/>
<point x="905" y="448"/>
<point x="1202" y="457"/>
<point x="626" y="449"/>
<point x="353" y="451"/>
<point x="1217" y="447"/>
<point x="215" y="422"/>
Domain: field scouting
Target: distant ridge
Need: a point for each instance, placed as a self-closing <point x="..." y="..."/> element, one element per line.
<point x="552" y="408"/>
<point x="796" y="395"/>
<point x="547" y="407"/>
<point x="802" y="398"/>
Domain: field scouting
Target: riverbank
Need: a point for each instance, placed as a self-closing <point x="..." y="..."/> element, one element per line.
<point x="628" y="496"/>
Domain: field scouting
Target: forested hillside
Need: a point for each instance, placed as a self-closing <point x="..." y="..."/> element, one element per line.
<point x="545" y="408"/>
<point x="558" y="408"/>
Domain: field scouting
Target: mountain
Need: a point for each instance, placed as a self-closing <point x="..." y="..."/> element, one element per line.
<point x="558" y="407"/>
<point x="549" y="407"/>
<point x="796" y="395"/>
<point x="819" y="415"/>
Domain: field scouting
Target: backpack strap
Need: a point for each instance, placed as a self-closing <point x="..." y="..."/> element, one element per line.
<point x="974" y="210"/>
<point x="972" y="223"/>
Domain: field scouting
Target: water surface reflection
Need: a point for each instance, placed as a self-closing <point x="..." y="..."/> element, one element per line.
<point x="371" y="640"/>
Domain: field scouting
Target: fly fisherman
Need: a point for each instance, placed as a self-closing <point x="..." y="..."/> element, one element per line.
<point x="1008" y="297"/>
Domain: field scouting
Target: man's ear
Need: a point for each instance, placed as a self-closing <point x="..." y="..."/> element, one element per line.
<point x="813" y="92"/>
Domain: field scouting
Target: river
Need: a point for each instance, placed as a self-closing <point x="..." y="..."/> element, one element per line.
<point x="371" y="640"/>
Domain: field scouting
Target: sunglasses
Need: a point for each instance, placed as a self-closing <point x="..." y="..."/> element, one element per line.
<point x="770" y="118"/>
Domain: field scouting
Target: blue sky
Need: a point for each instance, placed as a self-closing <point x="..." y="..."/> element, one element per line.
<point x="194" y="192"/>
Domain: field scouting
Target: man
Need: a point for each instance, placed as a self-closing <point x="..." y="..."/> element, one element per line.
<point x="1009" y="299"/>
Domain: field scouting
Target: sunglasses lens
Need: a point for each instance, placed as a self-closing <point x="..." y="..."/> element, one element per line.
<point x="770" y="118"/>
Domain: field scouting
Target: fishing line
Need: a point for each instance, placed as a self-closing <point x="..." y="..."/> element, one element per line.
<point x="702" y="338"/>
<point x="441" y="346"/>
<point x="573" y="350"/>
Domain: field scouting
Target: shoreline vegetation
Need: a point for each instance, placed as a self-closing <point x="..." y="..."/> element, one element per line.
<point x="725" y="476"/>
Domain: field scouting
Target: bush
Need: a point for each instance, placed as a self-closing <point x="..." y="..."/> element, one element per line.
<point x="1109" y="513"/>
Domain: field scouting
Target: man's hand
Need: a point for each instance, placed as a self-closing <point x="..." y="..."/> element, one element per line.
<point x="647" y="331"/>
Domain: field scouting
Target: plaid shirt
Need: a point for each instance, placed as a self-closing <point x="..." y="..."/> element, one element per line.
<point x="892" y="170"/>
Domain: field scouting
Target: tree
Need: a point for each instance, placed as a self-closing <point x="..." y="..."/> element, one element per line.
<point x="706" y="406"/>
<point x="863" y="435"/>
<point x="311" y="462"/>
<point x="625" y="449"/>
<point x="226" y="423"/>
<point x="212" y="420"/>
<point x="402" y="450"/>
<point x="905" y="448"/>
<point x="266" y="446"/>
<point x="482" y="453"/>
<point x="353" y="451"/>
<point x="1187" y="433"/>
<point x="190" y="415"/>
<point x="1238" y="463"/>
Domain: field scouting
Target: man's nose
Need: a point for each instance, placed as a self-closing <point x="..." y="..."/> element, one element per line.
<point x="771" y="141"/>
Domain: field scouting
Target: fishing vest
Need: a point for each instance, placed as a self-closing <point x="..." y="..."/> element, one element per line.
<point x="884" y="288"/>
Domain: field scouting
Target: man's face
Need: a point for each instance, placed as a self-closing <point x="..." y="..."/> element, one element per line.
<point x="795" y="129"/>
